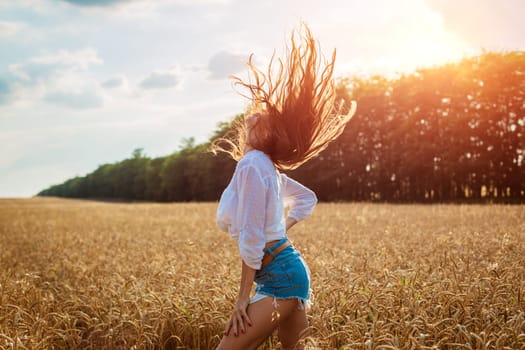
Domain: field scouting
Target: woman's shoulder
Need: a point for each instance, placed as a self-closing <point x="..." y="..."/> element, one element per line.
<point x="254" y="157"/>
<point x="257" y="159"/>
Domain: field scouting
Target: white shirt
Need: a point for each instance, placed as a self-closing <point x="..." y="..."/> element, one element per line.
<point x="252" y="207"/>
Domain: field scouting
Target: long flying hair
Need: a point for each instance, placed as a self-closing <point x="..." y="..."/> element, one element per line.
<point x="299" y="116"/>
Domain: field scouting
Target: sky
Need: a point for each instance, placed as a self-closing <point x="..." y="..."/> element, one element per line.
<point x="85" y="82"/>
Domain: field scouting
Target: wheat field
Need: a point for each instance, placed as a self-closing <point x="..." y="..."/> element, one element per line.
<point x="78" y="274"/>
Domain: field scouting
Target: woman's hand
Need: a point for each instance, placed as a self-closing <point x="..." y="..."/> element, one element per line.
<point x="239" y="319"/>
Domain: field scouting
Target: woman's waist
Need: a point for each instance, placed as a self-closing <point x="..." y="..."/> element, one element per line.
<point x="271" y="243"/>
<point x="273" y="239"/>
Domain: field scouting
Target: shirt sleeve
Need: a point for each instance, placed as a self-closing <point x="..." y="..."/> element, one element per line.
<point x="251" y="215"/>
<point x="224" y="210"/>
<point x="298" y="197"/>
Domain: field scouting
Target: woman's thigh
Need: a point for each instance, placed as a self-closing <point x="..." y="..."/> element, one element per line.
<point x="293" y="329"/>
<point x="265" y="318"/>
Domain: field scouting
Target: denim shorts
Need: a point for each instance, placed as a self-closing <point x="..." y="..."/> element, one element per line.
<point x="287" y="276"/>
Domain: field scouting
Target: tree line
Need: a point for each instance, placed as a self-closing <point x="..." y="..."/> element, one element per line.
<point x="455" y="132"/>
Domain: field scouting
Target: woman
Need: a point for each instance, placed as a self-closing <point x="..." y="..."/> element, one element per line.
<point x="293" y="118"/>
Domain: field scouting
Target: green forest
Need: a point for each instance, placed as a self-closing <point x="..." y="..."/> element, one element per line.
<point x="450" y="133"/>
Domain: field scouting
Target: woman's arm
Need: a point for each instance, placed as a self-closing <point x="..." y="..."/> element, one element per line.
<point x="249" y="220"/>
<point x="239" y="318"/>
<point x="300" y="199"/>
<point x="290" y="222"/>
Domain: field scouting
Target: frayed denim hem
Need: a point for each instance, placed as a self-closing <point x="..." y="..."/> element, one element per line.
<point x="304" y="304"/>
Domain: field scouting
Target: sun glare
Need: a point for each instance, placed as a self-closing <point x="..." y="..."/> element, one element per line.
<point x="405" y="43"/>
<point x="427" y="42"/>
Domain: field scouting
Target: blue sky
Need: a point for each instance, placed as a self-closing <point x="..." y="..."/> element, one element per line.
<point x="83" y="83"/>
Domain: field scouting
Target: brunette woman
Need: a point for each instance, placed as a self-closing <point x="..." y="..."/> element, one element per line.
<point x="293" y="116"/>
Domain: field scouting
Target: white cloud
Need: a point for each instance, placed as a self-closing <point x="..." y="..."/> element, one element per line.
<point x="161" y="80"/>
<point x="45" y="66"/>
<point x="109" y="3"/>
<point x="81" y="58"/>
<point x="224" y="63"/>
<point x="143" y="9"/>
<point x="82" y="99"/>
<point x="5" y="90"/>
<point x="61" y="78"/>
<point x="10" y="29"/>
<point x="96" y="2"/>
<point x="114" y="82"/>
<point x="34" y="5"/>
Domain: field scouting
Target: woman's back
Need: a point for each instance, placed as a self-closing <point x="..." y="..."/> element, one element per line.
<point x="252" y="207"/>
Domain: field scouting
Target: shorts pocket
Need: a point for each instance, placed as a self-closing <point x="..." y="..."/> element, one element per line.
<point x="277" y="275"/>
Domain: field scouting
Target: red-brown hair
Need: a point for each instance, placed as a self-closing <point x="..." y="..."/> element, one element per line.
<point x="299" y="116"/>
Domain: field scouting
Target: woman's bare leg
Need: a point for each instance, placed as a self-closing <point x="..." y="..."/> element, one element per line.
<point x="264" y="322"/>
<point x="293" y="329"/>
